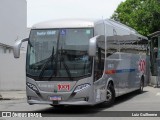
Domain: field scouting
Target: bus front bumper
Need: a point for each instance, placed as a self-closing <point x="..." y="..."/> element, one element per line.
<point x="84" y="97"/>
<point x="31" y="102"/>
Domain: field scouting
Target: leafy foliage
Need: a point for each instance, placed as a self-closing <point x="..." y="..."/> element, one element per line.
<point x="142" y="15"/>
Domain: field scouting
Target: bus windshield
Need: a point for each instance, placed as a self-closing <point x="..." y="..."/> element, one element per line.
<point x="59" y="53"/>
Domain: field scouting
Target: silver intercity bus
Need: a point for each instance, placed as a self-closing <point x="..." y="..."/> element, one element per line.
<point x="83" y="62"/>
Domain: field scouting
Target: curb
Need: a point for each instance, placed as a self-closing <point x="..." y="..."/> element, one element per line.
<point x="7" y="98"/>
<point x="1" y="98"/>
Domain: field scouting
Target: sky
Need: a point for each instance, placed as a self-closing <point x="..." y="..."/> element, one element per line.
<point x="44" y="10"/>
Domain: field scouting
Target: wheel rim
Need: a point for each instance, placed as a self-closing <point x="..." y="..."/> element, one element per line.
<point x="108" y="95"/>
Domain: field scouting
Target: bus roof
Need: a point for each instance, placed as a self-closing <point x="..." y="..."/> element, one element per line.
<point x="83" y="23"/>
<point x="65" y="23"/>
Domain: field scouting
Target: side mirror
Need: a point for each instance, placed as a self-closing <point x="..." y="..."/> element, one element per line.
<point x="92" y="46"/>
<point x="17" y="46"/>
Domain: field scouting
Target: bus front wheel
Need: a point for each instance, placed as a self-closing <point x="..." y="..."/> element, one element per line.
<point x="110" y="95"/>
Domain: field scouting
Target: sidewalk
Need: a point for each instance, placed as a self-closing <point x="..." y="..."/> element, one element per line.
<point x="7" y="95"/>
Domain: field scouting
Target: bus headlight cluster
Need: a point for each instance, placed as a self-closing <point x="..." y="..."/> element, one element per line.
<point x="81" y="87"/>
<point x="33" y="87"/>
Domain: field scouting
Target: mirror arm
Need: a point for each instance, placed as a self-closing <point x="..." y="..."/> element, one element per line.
<point x="17" y="46"/>
<point x="24" y="40"/>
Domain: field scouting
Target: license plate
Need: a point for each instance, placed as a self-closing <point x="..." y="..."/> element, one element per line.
<point x="55" y="98"/>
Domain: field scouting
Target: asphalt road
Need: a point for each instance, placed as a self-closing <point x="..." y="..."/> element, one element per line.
<point x="149" y="100"/>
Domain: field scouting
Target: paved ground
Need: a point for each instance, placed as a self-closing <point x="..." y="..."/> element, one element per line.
<point x="149" y="100"/>
<point x="12" y="95"/>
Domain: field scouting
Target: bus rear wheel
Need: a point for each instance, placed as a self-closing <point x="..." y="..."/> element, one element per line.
<point x="140" y="90"/>
<point x="110" y="95"/>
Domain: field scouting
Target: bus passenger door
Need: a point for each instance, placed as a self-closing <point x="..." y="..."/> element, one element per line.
<point x="99" y="80"/>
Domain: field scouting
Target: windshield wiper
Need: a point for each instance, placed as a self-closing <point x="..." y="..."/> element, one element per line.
<point x="55" y="58"/>
<point x="66" y="67"/>
<point x="64" y="64"/>
<point x="50" y="59"/>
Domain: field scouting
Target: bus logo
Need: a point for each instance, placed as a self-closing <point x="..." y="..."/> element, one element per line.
<point x="63" y="87"/>
<point x="142" y="64"/>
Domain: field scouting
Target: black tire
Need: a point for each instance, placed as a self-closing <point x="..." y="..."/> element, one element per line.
<point x="140" y="90"/>
<point x="58" y="106"/>
<point x="110" y="96"/>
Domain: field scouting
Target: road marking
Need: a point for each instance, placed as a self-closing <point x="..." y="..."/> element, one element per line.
<point x="158" y="94"/>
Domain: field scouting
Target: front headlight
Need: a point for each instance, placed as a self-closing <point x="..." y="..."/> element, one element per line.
<point x="81" y="87"/>
<point x="33" y="87"/>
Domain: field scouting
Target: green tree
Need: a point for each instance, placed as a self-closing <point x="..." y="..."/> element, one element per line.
<point x="142" y="15"/>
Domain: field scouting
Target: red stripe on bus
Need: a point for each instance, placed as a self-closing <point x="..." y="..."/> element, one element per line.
<point x="110" y="71"/>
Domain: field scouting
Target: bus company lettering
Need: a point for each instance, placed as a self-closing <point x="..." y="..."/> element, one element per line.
<point x="63" y="86"/>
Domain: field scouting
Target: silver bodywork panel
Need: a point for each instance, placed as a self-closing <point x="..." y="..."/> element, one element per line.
<point x="49" y="89"/>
